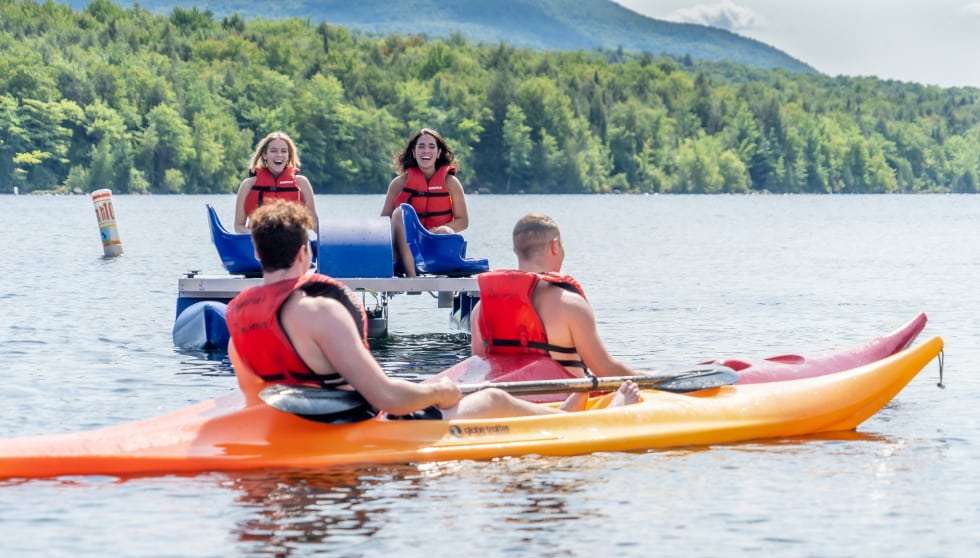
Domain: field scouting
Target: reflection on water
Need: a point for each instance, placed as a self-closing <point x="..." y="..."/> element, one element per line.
<point x="329" y="509"/>
<point x="348" y="509"/>
<point x="793" y="441"/>
<point x="204" y="363"/>
<point x="538" y="492"/>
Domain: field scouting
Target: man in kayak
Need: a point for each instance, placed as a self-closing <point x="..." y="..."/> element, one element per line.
<point x="536" y="310"/>
<point x="307" y="329"/>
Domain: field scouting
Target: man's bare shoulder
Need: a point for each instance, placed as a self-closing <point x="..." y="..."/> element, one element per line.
<point x="315" y="311"/>
<point x="551" y="298"/>
<point x="571" y="297"/>
<point x="575" y="304"/>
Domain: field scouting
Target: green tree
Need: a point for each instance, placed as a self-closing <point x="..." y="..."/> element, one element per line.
<point x="166" y="145"/>
<point x="173" y="181"/>
<point x="517" y="148"/>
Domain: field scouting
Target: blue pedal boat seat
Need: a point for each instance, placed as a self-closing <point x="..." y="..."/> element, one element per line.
<point x="236" y="250"/>
<point x="438" y="254"/>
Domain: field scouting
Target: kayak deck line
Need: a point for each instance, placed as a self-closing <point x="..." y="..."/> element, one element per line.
<point x="237" y="432"/>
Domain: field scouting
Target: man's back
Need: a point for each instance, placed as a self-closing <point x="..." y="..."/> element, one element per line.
<point x="566" y="316"/>
<point x="306" y="318"/>
<point x="569" y="322"/>
<point x="561" y="312"/>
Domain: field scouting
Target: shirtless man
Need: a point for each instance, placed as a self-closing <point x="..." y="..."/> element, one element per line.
<point x="534" y="309"/>
<point x="306" y="329"/>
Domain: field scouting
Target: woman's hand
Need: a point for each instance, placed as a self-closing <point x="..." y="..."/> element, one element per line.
<point x="443" y="229"/>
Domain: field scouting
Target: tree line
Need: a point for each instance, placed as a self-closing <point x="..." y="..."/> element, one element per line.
<point x="138" y="102"/>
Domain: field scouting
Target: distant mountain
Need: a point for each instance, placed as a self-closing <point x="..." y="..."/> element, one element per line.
<point x="541" y="24"/>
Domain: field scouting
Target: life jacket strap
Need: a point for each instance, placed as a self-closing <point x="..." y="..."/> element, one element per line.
<point x="533" y="344"/>
<point x="413" y="193"/>
<point x="544" y="347"/>
<point x="425" y="214"/>
<point x="327" y="382"/>
<point x="573" y="364"/>
<point x="272" y="189"/>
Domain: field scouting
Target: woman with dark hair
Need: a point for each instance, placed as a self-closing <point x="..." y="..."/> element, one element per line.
<point x="427" y="181"/>
<point x="274" y="170"/>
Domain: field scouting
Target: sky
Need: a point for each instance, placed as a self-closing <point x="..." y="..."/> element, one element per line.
<point x="926" y="41"/>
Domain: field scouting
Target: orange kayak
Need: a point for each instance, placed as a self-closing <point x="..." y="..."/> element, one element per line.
<point x="239" y="432"/>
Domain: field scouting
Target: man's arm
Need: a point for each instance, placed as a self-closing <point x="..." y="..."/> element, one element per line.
<point x="581" y="324"/>
<point x="331" y="328"/>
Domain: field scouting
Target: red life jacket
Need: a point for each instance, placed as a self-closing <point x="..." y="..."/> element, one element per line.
<point x="261" y="342"/>
<point x="429" y="198"/>
<point x="509" y="324"/>
<point x="268" y="187"/>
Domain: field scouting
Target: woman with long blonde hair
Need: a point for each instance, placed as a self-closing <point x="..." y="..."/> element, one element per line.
<point x="275" y="175"/>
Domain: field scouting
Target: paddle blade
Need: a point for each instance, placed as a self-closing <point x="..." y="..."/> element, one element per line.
<point x="698" y="380"/>
<point x="322" y="405"/>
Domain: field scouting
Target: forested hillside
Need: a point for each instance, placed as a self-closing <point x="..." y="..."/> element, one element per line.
<point x="137" y="102"/>
<point x="540" y="24"/>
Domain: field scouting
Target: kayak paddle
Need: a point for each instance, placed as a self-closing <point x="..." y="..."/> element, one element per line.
<point x="691" y="380"/>
<point x="318" y="403"/>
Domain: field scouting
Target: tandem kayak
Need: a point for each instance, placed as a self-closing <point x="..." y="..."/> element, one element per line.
<point x="239" y="432"/>
<point x="517" y="368"/>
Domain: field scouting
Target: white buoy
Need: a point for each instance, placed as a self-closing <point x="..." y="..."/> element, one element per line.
<point x="106" y="216"/>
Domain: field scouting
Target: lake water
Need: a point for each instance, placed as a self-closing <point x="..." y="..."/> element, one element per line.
<point x="86" y="343"/>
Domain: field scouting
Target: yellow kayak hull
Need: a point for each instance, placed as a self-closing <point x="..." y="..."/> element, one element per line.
<point x="238" y="432"/>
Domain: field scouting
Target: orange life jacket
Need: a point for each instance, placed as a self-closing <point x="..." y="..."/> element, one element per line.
<point x="261" y="342"/>
<point x="429" y="198"/>
<point x="509" y="324"/>
<point x="268" y="187"/>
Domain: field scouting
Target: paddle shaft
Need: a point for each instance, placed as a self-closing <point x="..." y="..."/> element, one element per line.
<point x="608" y="383"/>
